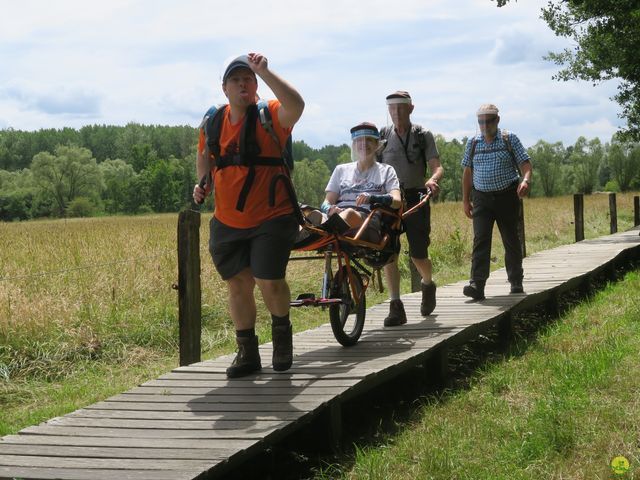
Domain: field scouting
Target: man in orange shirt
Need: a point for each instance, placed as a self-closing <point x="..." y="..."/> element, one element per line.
<point x="251" y="233"/>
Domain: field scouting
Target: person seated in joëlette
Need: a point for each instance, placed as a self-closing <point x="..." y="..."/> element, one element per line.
<point x="354" y="187"/>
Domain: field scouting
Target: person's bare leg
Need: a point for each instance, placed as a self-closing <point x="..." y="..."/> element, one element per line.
<point x="424" y="267"/>
<point x="276" y="297"/>
<point x="242" y="308"/>
<point x="242" y="304"/>
<point x="428" y="287"/>
<point x="397" y="315"/>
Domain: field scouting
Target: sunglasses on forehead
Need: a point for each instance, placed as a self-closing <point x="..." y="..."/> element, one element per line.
<point x="486" y="121"/>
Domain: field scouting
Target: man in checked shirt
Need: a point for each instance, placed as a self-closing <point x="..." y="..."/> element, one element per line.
<point x="497" y="173"/>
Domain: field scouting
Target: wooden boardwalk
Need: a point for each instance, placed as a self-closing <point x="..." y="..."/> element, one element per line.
<point x="194" y="422"/>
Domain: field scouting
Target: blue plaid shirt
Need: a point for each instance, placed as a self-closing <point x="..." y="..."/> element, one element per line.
<point x="493" y="168"/>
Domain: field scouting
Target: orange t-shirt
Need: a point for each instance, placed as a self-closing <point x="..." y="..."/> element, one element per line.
<point x="228" y="181"/>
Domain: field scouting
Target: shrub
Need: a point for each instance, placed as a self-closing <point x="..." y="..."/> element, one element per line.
<point x="80" y="207"/>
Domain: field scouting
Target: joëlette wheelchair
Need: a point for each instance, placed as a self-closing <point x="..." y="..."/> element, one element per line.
<point x="344" y="288"/>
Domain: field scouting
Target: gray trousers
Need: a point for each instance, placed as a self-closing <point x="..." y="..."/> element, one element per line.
<point x="502" y="208"/>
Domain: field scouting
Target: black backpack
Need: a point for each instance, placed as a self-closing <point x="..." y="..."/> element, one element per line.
<point x="420" y="139"/>
<point x="249" y="154"/>
<point x="212" y="126"/>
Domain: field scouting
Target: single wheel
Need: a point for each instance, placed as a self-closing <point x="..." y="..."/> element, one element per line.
<point x="347" y="318"/>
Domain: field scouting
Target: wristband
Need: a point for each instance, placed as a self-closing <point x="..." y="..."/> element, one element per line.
<point x="385" y="199"/>
<point x="325" y="207"/>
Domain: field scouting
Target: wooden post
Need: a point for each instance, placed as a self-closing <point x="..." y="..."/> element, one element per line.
<point x="636" y="211"/>
<point x="553" y="304"/>
<point x="437" y="367"/>
<point x="613" y="213"/>
<point x="335" y="425"/>
<point x="578" y="214"/>
<point x="521" y="235"/>
<point x="505" y="330"/>
<point x="189" y="295"/>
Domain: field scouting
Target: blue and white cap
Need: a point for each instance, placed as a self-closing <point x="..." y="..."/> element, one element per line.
<point x="241" y="61"/>
<point x="365" y="129"/>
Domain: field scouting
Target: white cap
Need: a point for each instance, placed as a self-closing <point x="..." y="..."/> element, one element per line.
<point x="487" y="109"/>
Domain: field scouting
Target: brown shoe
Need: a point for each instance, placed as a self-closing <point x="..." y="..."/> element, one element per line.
<point x="282" y="347"/>
<point x="428" y="304"/>
<point x="397" y="315"/>
<point x="247" y="360"/>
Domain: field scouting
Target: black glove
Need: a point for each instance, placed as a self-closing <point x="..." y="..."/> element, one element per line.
<point x="385" y="199"/>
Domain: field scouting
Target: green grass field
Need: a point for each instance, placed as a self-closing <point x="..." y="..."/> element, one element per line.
<point x="87" y="309"/>
<point x="564" y="406"/>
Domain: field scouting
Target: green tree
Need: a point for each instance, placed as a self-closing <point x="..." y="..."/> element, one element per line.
<point x="117" y="176"/>
<point x="547" y="161"/>
<point x="310" y="179"/>
<point x="70" y="172"/>
<point x="165" y="180"/>
<point x="624" y="162"/>
<point x="606" y="34"/>
<point x="585" y="159"/>
<point x="451" y="154"/>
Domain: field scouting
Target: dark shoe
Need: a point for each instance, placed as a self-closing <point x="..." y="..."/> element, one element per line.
<point x="247" y="360"/>
<point x="282" y="347"/>
<point x="428" y="304"/>
<point x="335" y="224"/>
<point x="517" y="288"/>
<point x="397" y="315"/>
<point x="473" y="291"/>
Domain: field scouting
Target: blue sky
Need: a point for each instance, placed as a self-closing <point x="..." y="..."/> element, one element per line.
<point x="72" y="63"/>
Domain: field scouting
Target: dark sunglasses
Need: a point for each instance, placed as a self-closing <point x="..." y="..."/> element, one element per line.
<point x="487" y="121"/>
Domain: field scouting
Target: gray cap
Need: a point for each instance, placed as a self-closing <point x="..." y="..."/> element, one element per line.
<point x="239" y="62"/>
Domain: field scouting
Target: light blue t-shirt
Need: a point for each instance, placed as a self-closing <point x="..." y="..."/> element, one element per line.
<point x="348" y="182"/>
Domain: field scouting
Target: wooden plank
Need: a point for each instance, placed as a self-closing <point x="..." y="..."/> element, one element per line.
<point x="28" y="441"/>
<point x="221" y="398"/>
<point x="100" y="463"/>
<point x="205" y="407"/>
<point x="125" y="423"/>
<point x="252" y="392"/>
<point x="185" y="416"/>
<point x="19" y="472"/>
<point x="253" y="433"/>
<point x="117" y="452"/>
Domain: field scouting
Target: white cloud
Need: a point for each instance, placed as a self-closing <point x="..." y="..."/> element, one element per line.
<point x="160" y="62"/>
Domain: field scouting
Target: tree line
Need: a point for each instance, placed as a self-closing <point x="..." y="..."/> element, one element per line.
<point x="107" y="170"/>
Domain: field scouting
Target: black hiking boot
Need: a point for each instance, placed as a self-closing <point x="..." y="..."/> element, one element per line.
<point x="397" y="315"/>
<point x="247" y="360"/>
<point x="282" y="347"/>
<point x="428" y="304"/>
<point x="516" y="287"/>
<point x="474" y="291"/>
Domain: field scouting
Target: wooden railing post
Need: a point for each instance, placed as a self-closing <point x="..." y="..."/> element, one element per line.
<point x="521" y="235"/>
<point x="636" y="211"/>
<point x="613" y="213"/>
<point x="189" y="295"/>
<point x="578" y="214"/>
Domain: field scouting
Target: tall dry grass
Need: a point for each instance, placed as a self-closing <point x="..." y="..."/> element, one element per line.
<point x="99" y="289"/>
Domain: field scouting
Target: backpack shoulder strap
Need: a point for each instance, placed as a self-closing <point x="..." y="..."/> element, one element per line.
<point x="474" y="142"/>
<point x="249" y="147"/>
<point x="507" y="142"/>
<point x="212" y="123"/>
<point x="264" y="115"/>
<point x="384" y="139"/>
<point x="421" y="135"/>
